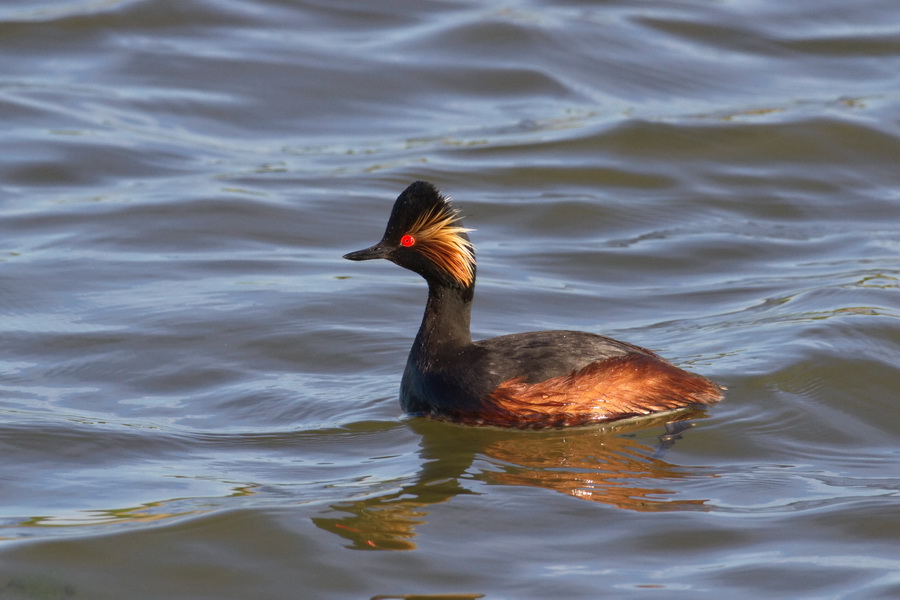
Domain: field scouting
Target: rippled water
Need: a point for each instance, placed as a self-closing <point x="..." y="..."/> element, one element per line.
<point x="199" y="397"/>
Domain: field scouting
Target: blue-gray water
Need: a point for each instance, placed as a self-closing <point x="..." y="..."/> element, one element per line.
<point x="198" y="396"/>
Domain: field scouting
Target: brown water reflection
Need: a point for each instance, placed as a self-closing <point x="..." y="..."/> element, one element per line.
<point x="608" y="465"/>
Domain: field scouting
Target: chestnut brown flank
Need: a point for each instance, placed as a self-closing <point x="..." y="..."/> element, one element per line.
<point x="617" y="388"/>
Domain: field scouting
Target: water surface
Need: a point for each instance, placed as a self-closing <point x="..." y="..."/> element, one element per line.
<point x="198" y="397"/>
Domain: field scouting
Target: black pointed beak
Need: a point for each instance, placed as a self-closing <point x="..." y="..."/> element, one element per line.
<point x="376" y="251"/>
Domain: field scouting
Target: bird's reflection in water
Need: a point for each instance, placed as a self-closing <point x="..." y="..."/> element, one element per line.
<point x="605" y="464"/>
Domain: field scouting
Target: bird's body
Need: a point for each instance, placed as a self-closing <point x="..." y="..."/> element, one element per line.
<point x="534" y="379"/>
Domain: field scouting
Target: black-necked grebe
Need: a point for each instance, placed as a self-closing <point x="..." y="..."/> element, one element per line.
<point x="535" y="379"/>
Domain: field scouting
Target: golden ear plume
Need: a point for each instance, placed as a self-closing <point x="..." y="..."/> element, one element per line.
<point x="440" y="240"/>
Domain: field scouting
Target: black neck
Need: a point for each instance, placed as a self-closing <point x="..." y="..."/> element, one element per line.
<point x="446" y="324"/>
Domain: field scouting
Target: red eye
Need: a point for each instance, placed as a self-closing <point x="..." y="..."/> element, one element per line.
<point x="407" y="240"/>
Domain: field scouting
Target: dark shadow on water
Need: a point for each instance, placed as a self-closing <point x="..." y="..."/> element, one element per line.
<point x="608" y="465"/>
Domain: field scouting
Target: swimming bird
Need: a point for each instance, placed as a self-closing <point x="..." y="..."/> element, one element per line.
<point x="528" y="380"/>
